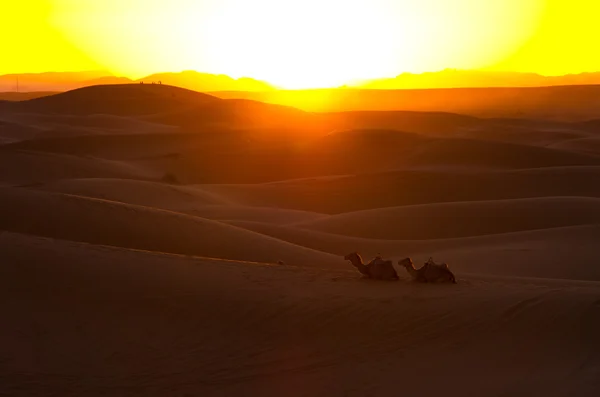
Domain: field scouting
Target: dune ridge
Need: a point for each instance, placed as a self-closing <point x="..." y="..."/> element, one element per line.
<point x="30" y="167"/>
<point x="462" y="219"/>
<point x="112" y="223"/>
<point x="412" y="187"/>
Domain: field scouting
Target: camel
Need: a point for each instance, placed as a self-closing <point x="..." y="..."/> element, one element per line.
<point x="431" y="272"/>
<point x="378" y="268"/>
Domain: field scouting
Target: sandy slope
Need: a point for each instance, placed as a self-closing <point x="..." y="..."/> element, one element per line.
<point x="145" y="193"/>
<point x="14" y="132"/>
<point x="408" y="187"/>
<point x="534" y="135"/>
<point x="127" y="99"/>
<point x="26" y="167"/>
<point x="462" y="219"/>
<point x="193" y="201"/>
<point x="224" y="154"/>
<point x="562" y="253"/>
<point x="95" y="123"/>
<point x="477" y="153"/>
<point x="126" y="225"/>
<point x="88" y="320"/>
<point x="590" y="145"/>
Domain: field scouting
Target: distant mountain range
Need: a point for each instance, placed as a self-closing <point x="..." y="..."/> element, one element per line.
<point x="451" y="78"/>
<point x="59" y="81"/>
<point x="205" y="82"/>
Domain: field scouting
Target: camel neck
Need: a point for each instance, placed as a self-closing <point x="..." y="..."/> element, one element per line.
<point x="412" y="270"/>
<point x="362" y="268"/>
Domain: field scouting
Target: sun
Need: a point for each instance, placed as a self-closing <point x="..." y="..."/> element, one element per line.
<point x="302" y="44"/>
<point x="296" y="43"/>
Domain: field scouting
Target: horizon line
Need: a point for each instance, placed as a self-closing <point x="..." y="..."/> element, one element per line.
<point x="357" y="83"/>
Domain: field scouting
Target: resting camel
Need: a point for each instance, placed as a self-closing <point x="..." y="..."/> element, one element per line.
<point x="378" y="268"/>
<point x="429" y="273"/>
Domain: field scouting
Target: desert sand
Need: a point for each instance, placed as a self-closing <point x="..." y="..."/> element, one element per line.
<point x="156" y="241"/>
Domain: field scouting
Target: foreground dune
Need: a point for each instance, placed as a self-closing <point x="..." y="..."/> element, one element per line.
<point x="561" y="253"/>
<point x="126" y="225"/>
<point x="89" y="320"/>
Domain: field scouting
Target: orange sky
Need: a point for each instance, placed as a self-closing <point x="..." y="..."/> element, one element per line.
<point x="300" y="43"/>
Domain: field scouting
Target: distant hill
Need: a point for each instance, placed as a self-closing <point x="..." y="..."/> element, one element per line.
<point x="207" y="82"/>
<point x="451" y="78"/>
<point x="51" y="81"/>
<point x="67" y="81"/>
<point x="121" y="100"/>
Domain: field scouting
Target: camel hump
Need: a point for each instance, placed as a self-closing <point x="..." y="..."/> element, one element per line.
<point x="442" y="265"/>
<point x="382" y="269"/>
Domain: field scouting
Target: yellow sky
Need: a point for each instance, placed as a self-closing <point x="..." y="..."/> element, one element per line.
<point x="300" y="43"/>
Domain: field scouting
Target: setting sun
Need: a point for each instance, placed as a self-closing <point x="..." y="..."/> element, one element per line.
<point x="301" y="43"/>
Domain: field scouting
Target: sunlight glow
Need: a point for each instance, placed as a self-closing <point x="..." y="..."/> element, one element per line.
<point x="302" y="43"/>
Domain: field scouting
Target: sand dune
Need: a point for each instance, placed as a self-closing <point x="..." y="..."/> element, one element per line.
<point x="144" y="193"/>
<point x="128" y="146"/>
<point x="15" y="132"/>
<point x="194" y="201"/>
<point x="233" y="112"/>
<point x="140" y="227"/>
<point x="476" y="153"/>
<point x="100" y="123"/>
<point x="524" y="134"/>
<point x="432" y="122"/>
<point x="84" y="307"/>
<point x="395" y="149"/>
<point x="592" y="125"/>
<point x="126" y="99"/>
<point x="461" y="219"/>
<point x="26" y="167"/>
<point x="562" y="253"/>
<point x="389" y="189"/>
<point x="238" y="157"/>
<point x="125" y="225"/>
<point x="370" y="140"/>
<point x="590" y="145"/>
<point x="263" y="214"/>
<point x="23" y="96"/>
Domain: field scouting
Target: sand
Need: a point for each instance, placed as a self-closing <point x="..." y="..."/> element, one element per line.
<point x="173" y="243"/>
<point x="90" y="320"/>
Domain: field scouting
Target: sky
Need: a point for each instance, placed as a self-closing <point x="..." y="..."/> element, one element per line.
<point x="299" y="43"/>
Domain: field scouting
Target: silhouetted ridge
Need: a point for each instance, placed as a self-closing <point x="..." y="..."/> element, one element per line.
<point x="123" y="100"/>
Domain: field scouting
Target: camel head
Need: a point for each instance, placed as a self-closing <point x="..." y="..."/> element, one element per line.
<point x="354" y="258"/>
<point x="406" y="262"/>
